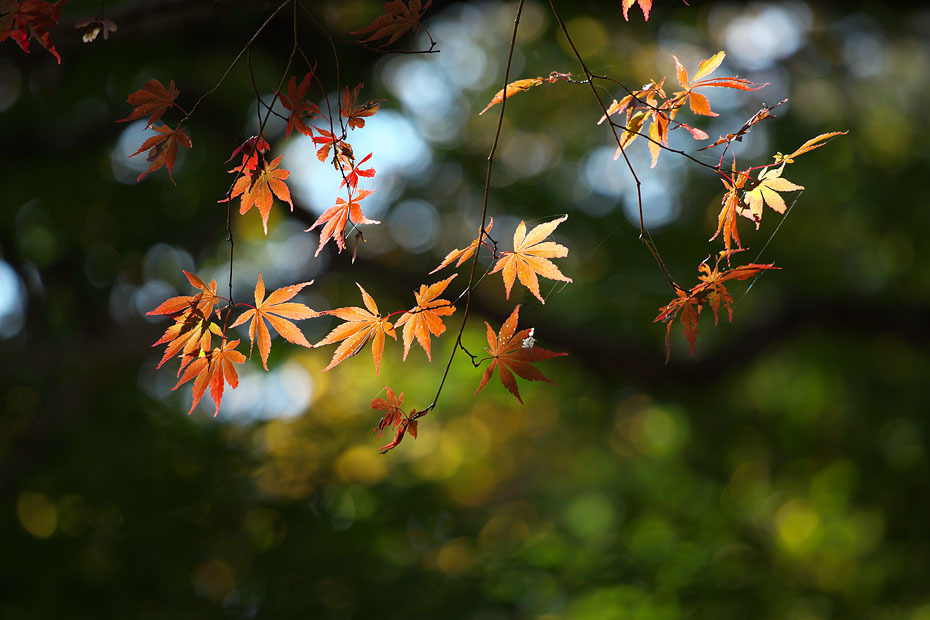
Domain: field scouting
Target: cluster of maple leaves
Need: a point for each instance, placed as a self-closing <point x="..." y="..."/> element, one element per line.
<point x="197" y="319"/>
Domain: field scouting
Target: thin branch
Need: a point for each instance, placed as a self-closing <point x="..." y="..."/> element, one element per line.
<point x="484" y="215"/>
<point x="644" y="235"/>
<point x="236" y="60"/>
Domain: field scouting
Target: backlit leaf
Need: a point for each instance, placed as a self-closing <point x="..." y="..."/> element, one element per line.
<point x="530" y="257"/>
<point x="277" y="310"/>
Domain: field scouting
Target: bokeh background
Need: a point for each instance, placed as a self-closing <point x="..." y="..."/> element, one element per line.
<point x="780" y="473"/>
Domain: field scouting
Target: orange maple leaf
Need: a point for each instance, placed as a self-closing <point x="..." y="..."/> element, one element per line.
<point x="361" y="326"/>
<point x="214" y="370"/>
<point x="276" y="310"/>
<point x="423" y="319"/>
<point x="522" y="86"/>
<point x="726" y="220"/>
<point x="644" y="5"/>
<point x="163" y="148"/>
<point x="20" y="20"/>
<point x="530" y="257"/>
<point x="699" y="103"/>
<point x="299" y="107"/>
<point x="337" y="217"/>
<point x="152" y="100"/>
<point x="191" y="333"/>
<point x="465" y="253"/>
<point x="257" y="189"/>
<point x="353" y="111"/>
<point x="514" y="351"/>
<point x="343" y="150"/>
<point x="398" y="19"/>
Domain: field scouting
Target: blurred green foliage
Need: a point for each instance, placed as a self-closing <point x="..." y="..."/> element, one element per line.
<point x="782" y="473"/>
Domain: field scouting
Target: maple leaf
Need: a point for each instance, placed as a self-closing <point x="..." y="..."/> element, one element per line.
<point x="351" y="176"/>
<point x="191" y="333"/>
<point x="405" y="425"/>
<point x="353" y="111"/>
<point x="152" y="100"/>
<point x="644" y="5"/>
<point x="299" y="107"/>
<point x="213" y="370"/>
<point x="712" y="290"/>
<point x="393" y="414"/>
<point x="770" y="183"/>
<point x="257" y="189"/>
<point x="687" y="305"/>
<point x="361" y="326"/>
<point x="398" y="19"/>
<point x="699" y="103"/>
<point x="522" y="86"/>
<point x="531" y="256"/>
<point x="514" y="351"/>
<point x="423" y="320"/>
<point x="726" y="220"/>
<point x="203" y="301"/>
<point x="465" y="253"/>
<point x="97" y="25"/>
<point x="336" y="218"/>
<point x="659" y="113"/>
<point x="250" y="150"/>
<point x="343" y="150"/>
<point x="276" y="310"/>
<point x="20" y="20"/>
<point x="163" y="148"/>
<point x="810" y="145"/>
<point x="686" y="308"/>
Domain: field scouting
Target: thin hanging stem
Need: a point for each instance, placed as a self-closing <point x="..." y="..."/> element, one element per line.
<point x="484" y="215"/>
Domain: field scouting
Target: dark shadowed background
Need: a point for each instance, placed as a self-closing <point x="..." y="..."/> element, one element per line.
<point x="780" y="473"/>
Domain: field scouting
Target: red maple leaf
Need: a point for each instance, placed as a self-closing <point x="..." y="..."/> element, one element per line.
<point x="276" y="310"/>
<point x="350" y="177"/>
<point x="407" y="424"/>
<point x="353" y="111"/>
<point x="30" y="18"/>
<point x="163" y="148"/>
<point x="514" y="351"/>
<point x="250" y="150"/>
<point x="151" y="100"/>
<point x="687" y="305"/>
<point x="393" y="414"/>
<point x="299" y="107"/>
<point x="398" y="19"/>
<point x="337" y="217"/>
